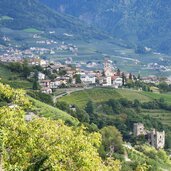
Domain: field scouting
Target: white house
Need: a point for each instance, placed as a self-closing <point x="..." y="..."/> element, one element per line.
<point x="55" y="84"/>
<point x="41" y="76"/>
<point x="45" y="83"/>
<point x="46" y="90"/>
<point x="107" y="81"/>
<point x="43" y="62"/>
<point x="88" y="79"/>
<point x="117" y="81"/>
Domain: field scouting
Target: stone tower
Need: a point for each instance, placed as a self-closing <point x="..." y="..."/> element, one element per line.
<point x="108" y="69"/>
<point x="157" y="139"/>
<point x="139" y="129"/>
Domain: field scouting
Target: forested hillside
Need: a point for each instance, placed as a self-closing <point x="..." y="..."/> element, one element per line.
<point x="32" y="142"/>
<point x="44" y="144"/>
<point x="19" y="15"/>
<point x="139" y="22"/>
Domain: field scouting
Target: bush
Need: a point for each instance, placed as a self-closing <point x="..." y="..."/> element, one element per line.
<point x="46" y="98"/>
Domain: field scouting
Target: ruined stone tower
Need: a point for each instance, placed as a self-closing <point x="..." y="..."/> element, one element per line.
<point x="139" y="129"/>
<point x="157" y="139"/>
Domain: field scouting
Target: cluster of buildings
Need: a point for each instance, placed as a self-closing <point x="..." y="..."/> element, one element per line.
<point x="156" y="66"/>
<point x="154" y="137"/>
<point x="15" y="53"/>
<point x="106" y="77"/>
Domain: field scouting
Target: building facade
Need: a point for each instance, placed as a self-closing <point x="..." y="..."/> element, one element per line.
<point x="155" y="138"/>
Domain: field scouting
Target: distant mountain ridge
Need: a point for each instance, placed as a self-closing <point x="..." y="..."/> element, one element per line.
<point x="146" y="22"/>
<point x="22" y="14"/>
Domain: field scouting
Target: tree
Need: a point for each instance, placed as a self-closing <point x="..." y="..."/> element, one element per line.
<point x="26" y="69"/>
<point x="123" y="78"/>
<point x="63" y="106"/>
<point x="45" y="144"/>
<point x="51" y="143"/>
<point x="116" y="106"/>
<point x="118" y="72"/>
<point x="125" y="102"/>
<point x="137" y="103"/>
<point x="70" y="80"/>
<point x="89" y="108"/>
<point x="77" y="78"/>
<point x="130" y="76"/>
<point x="82" y="115"/>
<point x="35" y="85"/>
<point x="164" y="87"/>
<point x="36" y="73"/>
<point x="62" y="72"/>
<point x="111" y="140"/>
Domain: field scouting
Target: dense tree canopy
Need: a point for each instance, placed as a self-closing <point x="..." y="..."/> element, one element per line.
<point x="44" y="144"/>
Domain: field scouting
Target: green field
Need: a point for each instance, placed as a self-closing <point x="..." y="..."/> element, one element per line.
<point x="162" y="115"/>
<point x="51" y="112"/>
<point x="80" y="98"/>
<point x="5" y="73"/>
<point x="31" y="30"/>
<point x="13" y="79"/>
<point x="166" y="97"/>
<point x="6" y="18"/>
<point x="103" y="94"/>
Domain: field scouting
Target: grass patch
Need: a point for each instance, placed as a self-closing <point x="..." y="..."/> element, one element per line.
<point x="31" y="30"/>
<point x="162" y="115"/>
<point x="13" y="79"/>
<point x="51" y="112"/>
<point x="166" y="97"/>
<point x="6" y="18"/>
<point x="5" y="73"/>
<point x="133" y="94"/>
<point x="80" y="98"/>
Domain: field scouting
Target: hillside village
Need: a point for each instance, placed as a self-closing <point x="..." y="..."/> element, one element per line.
<point x="72" y="75"/>
<point x="85" y="85"/>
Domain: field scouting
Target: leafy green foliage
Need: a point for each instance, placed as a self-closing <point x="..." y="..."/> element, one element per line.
<point x="17" y="97"/>
<point x="46" y="98"/>
<point x="14" y="79"/>
<point x="61" y="147"/>
<point x="111" y="140"/>
<point x="44" y="144"/>
<point x="77" y="79"/>
<point x="49" y="111"/>
<point x="75" y="111"/>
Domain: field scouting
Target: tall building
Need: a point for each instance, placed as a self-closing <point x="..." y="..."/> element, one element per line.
<point x="157" y="139"/>
<point x="139" y="129"/>
<point x="108" y="68"/>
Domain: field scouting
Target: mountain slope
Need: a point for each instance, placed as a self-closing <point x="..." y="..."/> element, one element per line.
<point x="23" y="14"/>
<point x="141" y="22"/>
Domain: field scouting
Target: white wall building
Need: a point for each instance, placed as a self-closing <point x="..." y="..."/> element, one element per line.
<point x="41" y="76"/>
<point x="46" y="90"/>
<point x="107" y="81"/>
<point x="88" y="79"/>
<point x="43" y="62"/>
<point x="117" y="82"/>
